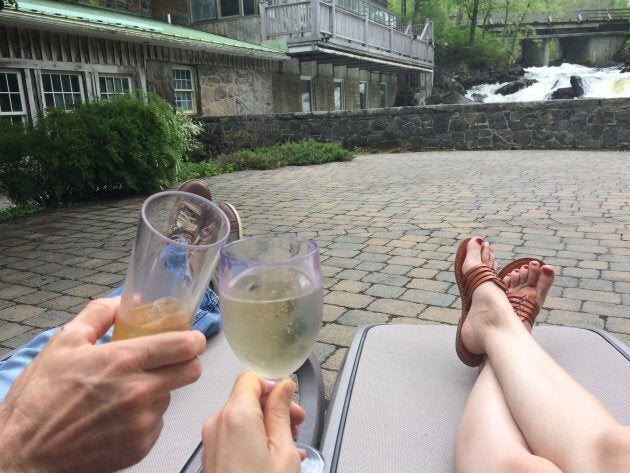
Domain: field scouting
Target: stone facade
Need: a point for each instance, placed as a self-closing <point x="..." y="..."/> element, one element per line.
<point x="561" y="124"/>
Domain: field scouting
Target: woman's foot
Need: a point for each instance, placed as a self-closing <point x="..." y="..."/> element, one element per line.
<point x="527" y="290"/>
<point x="490" y="307"/>
<point x="475" y="265"/>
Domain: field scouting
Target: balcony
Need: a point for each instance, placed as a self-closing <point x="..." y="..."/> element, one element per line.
<point x="349" y="32"/>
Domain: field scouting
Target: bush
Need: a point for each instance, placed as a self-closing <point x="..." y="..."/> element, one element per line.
<point x="126" y="145"/>
<point x="301" y="153"/>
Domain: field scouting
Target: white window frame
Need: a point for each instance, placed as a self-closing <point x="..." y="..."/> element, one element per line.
<point x="364" y="85"/>
<point x="23" y="114"/>
<point x="309" y="104"/>
<point x="64" y="93"/>
<point x="177" y="89"/>
<point x="338" y="87"/>
<point x="111" y="94"/>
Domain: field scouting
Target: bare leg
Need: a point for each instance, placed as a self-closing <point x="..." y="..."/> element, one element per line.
<point x="559" y="419"/>
<point x="488" y="439"/>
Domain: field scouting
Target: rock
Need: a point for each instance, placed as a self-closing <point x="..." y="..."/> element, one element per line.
<point x="478" y="97"/>
<point x="576" y="90"/>
<point x="578" y="85"/>
<point x="448" y="98"/>
<point x="515" y="86"/>
<point x="563" y="93"/>
<point x="623" y="55"/>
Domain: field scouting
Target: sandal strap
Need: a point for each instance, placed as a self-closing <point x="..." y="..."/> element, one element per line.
<point x="524" y="307"/>
<point x="474" y="277"/>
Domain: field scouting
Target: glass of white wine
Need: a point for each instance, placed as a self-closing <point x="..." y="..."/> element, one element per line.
<point x="271" y="307"/>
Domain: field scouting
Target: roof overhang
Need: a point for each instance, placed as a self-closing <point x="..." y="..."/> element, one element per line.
<point x="326" y="55"/>
<point x="129" y="28"/>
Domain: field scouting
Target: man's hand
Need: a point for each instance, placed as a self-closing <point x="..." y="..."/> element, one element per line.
<point x="254" y="431"/>
<point x="84" y="407"/>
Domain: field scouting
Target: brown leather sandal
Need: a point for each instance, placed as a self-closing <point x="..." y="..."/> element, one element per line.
<point x="524" y="307"/>
<point x="467" y="283"/>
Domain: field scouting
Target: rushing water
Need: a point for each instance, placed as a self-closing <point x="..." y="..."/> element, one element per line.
<point x="597" y="82"/>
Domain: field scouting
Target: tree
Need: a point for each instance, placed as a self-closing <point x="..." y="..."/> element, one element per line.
<point x="473" y="23"/>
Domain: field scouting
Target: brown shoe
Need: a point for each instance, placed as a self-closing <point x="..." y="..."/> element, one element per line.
<point x="196" y="186"/>
<point x="188" y="218"/>
<point x="236" y="225"/>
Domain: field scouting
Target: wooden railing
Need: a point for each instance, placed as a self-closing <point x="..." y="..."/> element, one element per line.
<point x="321" y="20"/>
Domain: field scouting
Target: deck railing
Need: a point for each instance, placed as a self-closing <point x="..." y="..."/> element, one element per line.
<point x="328" y="21"/>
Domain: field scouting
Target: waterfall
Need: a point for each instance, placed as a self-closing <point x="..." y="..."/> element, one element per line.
<point x="608" y="82"/>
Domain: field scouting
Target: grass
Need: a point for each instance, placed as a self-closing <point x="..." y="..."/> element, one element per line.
<point x="303" y="153"/>
<point x="22" y="210"/>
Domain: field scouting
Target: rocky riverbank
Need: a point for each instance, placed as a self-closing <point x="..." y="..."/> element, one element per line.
<point x="451" y="81"/>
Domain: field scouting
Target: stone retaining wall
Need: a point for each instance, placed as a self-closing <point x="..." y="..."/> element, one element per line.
<point x="561" y="124"/>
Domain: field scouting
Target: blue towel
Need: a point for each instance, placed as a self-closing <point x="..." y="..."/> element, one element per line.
<point x="207" y="320"/>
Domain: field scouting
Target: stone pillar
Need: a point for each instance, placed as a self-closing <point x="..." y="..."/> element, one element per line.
<point x="536" y="52"/>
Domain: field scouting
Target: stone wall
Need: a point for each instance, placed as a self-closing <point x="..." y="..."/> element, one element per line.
<point x="561" y="124"/>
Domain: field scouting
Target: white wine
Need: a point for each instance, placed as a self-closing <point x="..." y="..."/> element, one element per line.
<point x="271" y="318"/>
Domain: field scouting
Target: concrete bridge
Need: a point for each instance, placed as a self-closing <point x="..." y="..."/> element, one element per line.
<point x="589" y="37"/>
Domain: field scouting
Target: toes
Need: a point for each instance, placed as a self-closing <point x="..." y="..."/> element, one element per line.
<point x="533" y="274"/>
<point x="487" y="255"/>
<point x="545" y="281"/>
<point x="473" y="253"/>
<point x="515" y="278"/>
<point x="523" y="275"/>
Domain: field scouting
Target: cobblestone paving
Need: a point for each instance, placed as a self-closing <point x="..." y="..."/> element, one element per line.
<point x="388" y="226"/>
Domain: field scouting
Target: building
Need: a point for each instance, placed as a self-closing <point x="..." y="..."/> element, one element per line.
<point x="209" y="57"/>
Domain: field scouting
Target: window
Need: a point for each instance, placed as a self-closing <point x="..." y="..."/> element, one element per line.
<point x="338" y="94"/>
<point x="62" y="90"/>
<point x="201" y="10"/>
<point x="12" y="104"/>
<point x="184" y="92"/>
<point x="249" y="7"/>
<point x="229" y="7"/>
<point x="306" y="93"/>
<point x="384" y="95"/>
<point x="111" y="86"/>
<point x="363" y="95"/>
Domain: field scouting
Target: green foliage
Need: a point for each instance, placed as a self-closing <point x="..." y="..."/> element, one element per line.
<point x="452" y="23"/>
<point x="190" y="130"/>
<point x="17" y="171"/>
<point x="126" y="145"/>
<point x="19" y="211"/>
<point x="302" y="153"/>
<point x="455" y="48"/>
<point x="190" y="170"/>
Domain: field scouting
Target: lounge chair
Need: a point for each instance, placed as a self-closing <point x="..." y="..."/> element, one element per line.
<point x="398" y="398"/>
<point x="178" y="447"/>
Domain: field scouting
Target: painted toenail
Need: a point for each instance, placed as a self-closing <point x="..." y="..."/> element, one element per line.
<point x="525" y="266"/>
<point x="547" y="271"/>
<point x="479" y="241"/>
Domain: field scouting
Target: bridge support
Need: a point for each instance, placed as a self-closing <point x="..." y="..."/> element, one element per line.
<point x="536" y="52"/>
<point x="591" y="50"/>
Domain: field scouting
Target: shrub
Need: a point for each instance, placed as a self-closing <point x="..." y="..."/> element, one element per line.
<point x="195" y="170"/>
<point x="126" y="145"/>
<point x="19" y="211"/>
<point x="301" y="153"/>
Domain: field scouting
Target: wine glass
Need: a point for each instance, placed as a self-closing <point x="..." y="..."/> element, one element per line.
<point x="271" y="306"/>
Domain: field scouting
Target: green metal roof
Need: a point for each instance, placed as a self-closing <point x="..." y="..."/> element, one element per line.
<point x="31" y="13"/>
